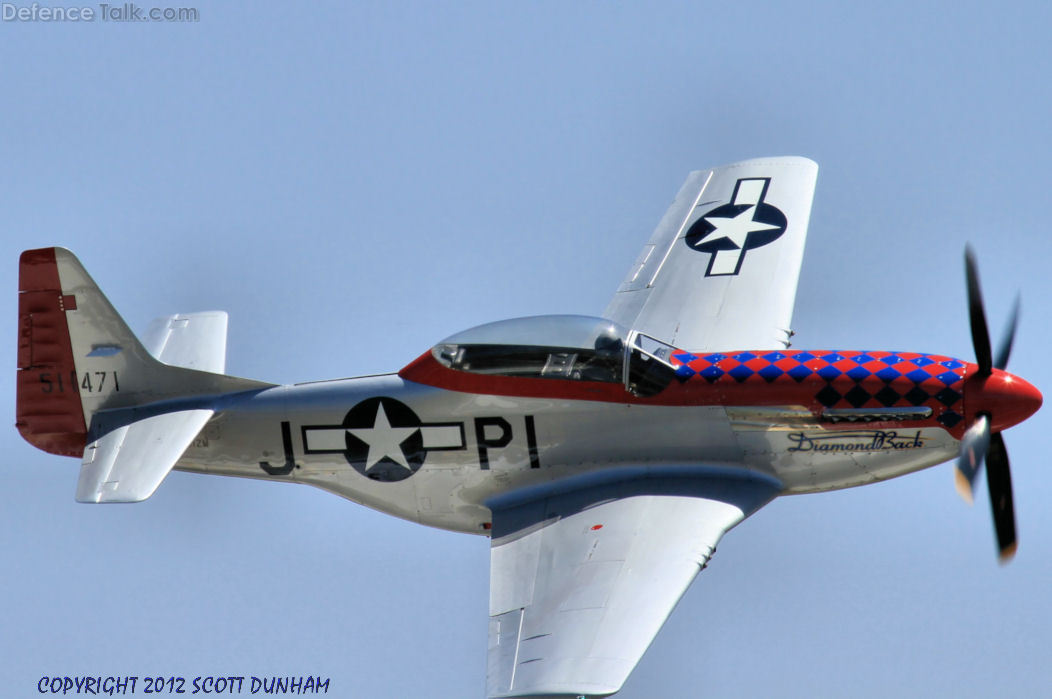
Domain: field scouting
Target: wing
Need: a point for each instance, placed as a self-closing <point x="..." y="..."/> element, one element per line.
<point x="584" y="572"/>
<point x="720" y="271"/>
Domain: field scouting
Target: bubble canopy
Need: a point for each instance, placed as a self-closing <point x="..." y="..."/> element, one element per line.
<point x="579" y="332"/>
<point x="559" y="346"/>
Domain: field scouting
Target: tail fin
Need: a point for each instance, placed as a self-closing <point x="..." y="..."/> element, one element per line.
<point x="76" y="355"/>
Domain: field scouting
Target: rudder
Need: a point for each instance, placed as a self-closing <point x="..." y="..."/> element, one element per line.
<point x="48" y="412"/>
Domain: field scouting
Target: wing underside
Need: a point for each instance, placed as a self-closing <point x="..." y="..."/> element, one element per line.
<point x="582" y="576"/>
<point x="720" y="271"/>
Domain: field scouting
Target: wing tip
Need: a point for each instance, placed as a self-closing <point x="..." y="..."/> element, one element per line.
<point x="771" y="161"/>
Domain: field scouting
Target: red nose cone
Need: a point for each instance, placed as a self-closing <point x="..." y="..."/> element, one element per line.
<point x="1007" y="398"/>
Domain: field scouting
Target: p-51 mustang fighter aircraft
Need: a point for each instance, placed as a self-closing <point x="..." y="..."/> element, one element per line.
<point x="605" y="457"/>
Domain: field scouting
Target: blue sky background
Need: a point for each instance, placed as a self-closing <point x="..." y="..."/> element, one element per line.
<point x="353" y="182"/>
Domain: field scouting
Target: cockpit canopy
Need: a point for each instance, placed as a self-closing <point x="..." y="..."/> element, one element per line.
<point x="558" y="347"/>
<point x="580" y="348"/>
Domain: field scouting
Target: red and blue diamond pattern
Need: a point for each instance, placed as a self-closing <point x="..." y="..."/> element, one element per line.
<point x="842" y="379"/>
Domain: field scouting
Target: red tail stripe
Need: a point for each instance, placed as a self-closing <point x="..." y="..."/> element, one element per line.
<point x="48" y="409"/>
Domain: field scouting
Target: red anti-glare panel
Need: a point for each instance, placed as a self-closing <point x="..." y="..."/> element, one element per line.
<point x="721" y="379"/>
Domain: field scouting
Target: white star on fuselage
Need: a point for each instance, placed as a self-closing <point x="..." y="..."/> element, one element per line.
<point x="384" y="441"/>
<point x="736" y="229"/>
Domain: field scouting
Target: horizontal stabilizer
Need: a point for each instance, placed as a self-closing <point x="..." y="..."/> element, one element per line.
<point x="129" y="463"/>
<point x="190" y="340"/>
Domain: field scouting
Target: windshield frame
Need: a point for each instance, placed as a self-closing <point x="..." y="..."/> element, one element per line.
<point x="648" y="369"/>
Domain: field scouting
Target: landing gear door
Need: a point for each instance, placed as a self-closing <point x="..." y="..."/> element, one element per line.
<point x="648" y="365"/>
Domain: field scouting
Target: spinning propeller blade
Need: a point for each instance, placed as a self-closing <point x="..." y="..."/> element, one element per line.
<point x="979" y="443"/>
<point x="974" y="446"/>
<point x="999" y="482"/>
<point x="977" y="316"/>
<point x="1003" y="352"/>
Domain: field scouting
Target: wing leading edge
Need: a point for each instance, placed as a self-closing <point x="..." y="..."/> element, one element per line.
<point x="720" y="271"/>
<point x="584" y="572"/>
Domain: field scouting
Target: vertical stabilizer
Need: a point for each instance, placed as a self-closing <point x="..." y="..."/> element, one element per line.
<point x="77" y="357"/>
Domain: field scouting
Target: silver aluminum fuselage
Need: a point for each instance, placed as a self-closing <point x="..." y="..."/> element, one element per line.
<point x="497" y="449"/>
